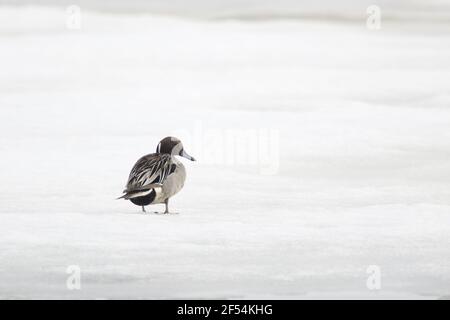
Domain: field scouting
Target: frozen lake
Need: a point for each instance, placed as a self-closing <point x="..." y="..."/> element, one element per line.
<point x="352" y="168"/>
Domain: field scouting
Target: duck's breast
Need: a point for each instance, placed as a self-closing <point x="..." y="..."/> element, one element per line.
<point x="175" y="181"/>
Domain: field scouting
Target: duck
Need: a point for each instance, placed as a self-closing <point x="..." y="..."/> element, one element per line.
<point x="157" y="177"/>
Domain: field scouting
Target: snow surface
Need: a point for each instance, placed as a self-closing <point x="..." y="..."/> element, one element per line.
<point x="359" y="168"/>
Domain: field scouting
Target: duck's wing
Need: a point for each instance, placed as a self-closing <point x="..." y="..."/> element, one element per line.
<point x="149" y="172"/>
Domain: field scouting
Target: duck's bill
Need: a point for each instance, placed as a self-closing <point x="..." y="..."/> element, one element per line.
<point x="184" y="154"/>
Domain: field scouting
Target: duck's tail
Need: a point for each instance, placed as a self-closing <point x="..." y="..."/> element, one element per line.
<point x="135" y="194"/>
<point x="141" y="192"/>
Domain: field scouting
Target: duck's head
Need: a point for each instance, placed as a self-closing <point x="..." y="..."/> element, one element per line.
<point x="172" y="146"/>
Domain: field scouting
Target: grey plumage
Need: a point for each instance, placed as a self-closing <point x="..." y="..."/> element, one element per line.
<point x="150" y="169"/>
<point x="158" y="176"/>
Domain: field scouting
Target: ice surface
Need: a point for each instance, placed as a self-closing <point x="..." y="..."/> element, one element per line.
<point x="362" y="160"/>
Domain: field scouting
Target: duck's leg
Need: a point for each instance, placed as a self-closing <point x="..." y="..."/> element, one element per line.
<point x="167" y="205"/>
<point x="143" y="209"/>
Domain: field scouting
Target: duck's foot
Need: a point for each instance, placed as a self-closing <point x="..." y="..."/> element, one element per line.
<point x="167" y="206"/>
<point x="164" y="213"/>
<point x="143" y="209"/>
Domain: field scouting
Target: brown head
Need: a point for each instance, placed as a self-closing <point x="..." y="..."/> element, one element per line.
<point x="172" y="146"/>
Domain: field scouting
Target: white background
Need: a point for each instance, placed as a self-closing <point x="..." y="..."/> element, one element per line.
<point x="362" y="158"/>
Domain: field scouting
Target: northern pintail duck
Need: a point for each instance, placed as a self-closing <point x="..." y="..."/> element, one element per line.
<point x="156" y="177"/>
